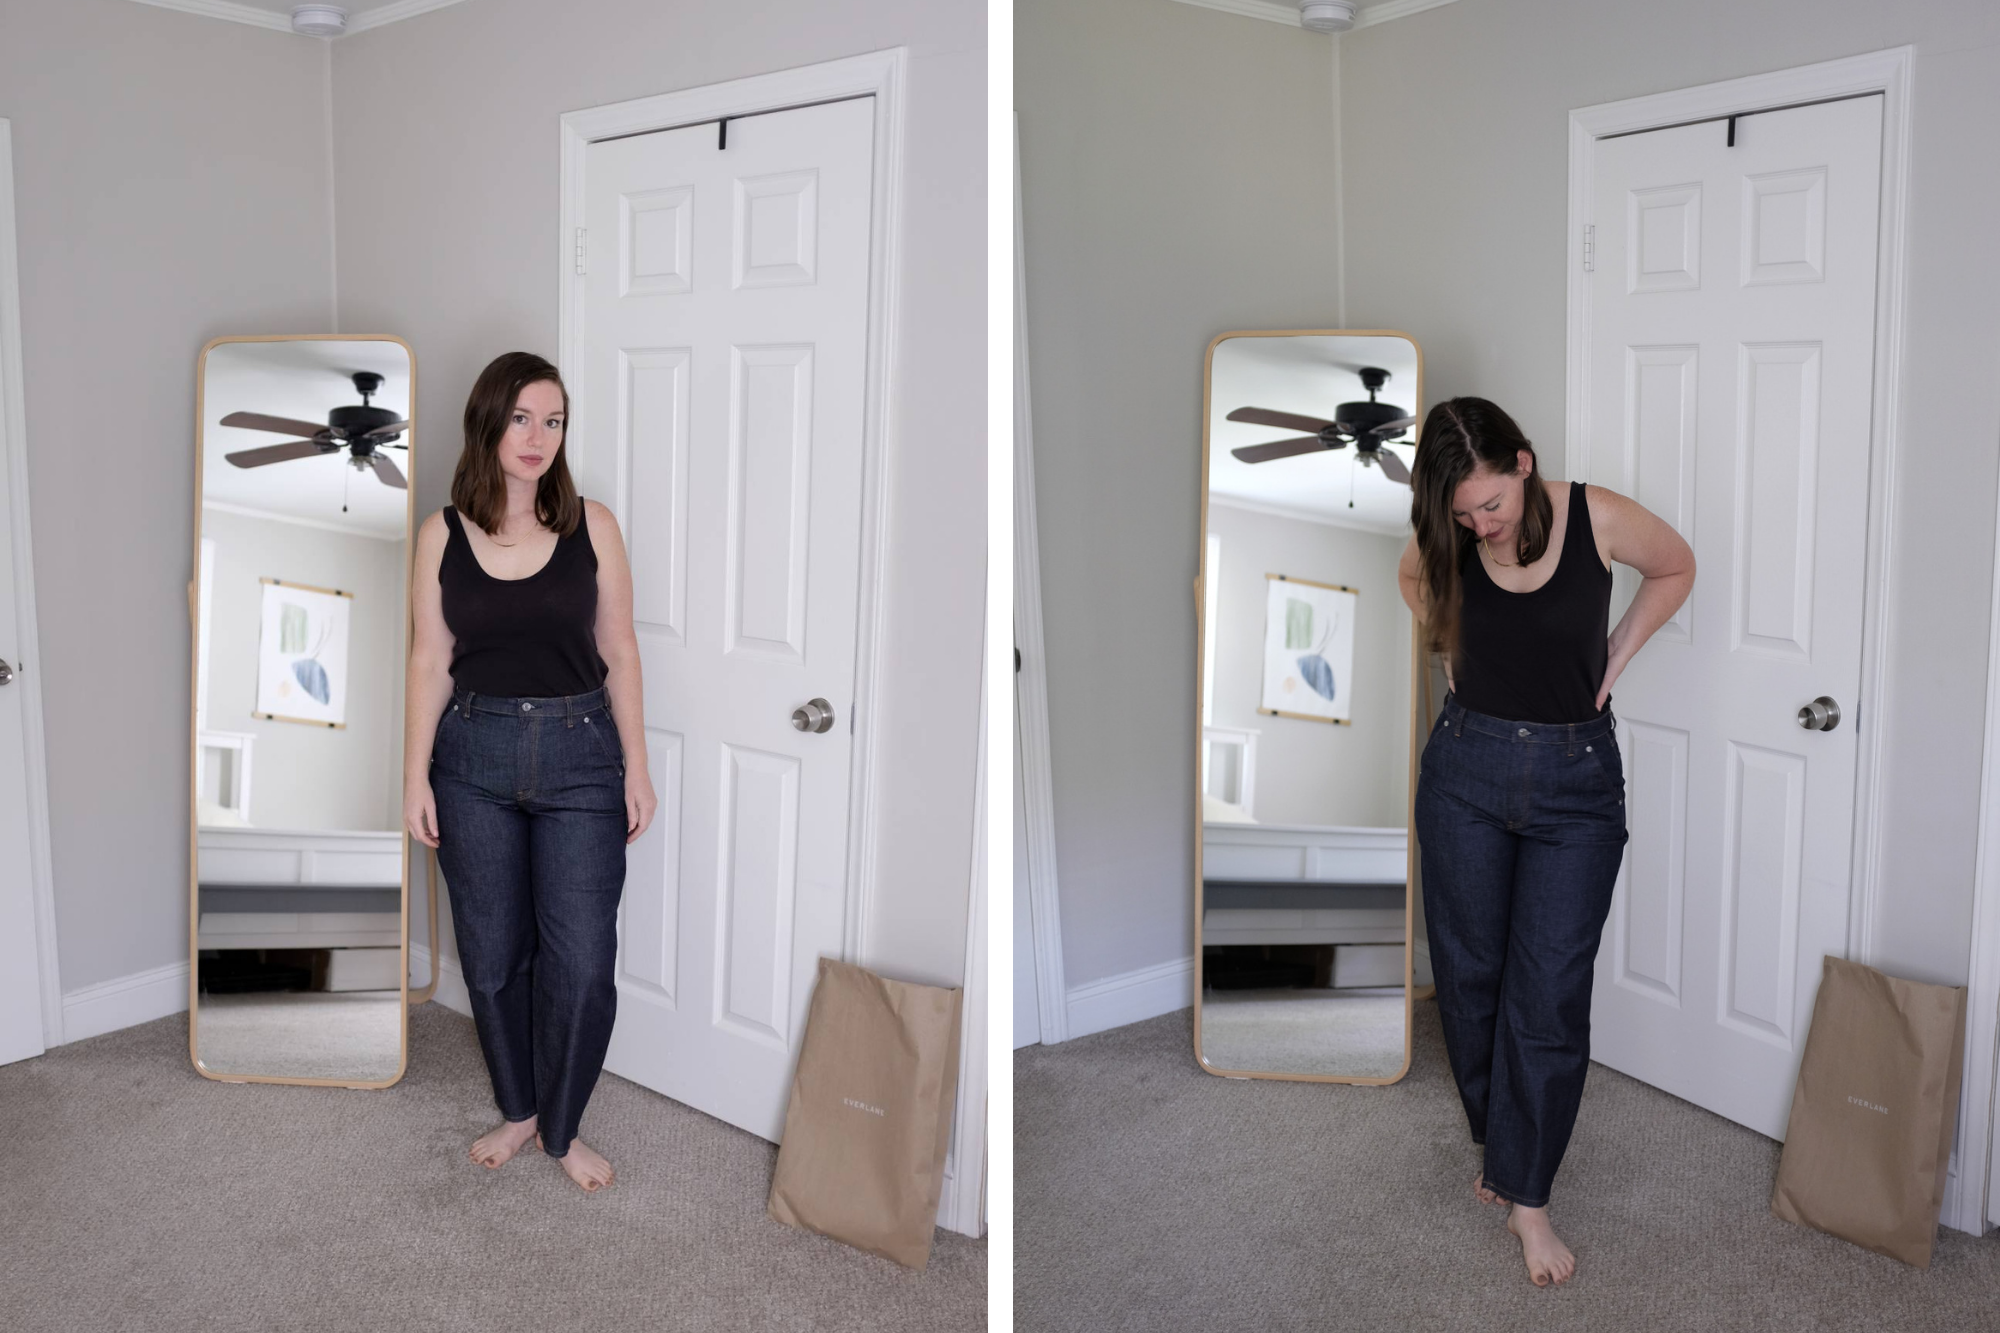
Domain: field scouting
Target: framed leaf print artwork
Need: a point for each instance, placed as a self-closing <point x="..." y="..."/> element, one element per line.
<point x="302" y="654"/>
<point x="1308" y="650"/>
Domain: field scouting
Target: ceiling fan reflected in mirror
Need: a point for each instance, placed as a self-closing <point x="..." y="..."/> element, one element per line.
<point x="1367" y="426"/>
<point x="361" y="431"/>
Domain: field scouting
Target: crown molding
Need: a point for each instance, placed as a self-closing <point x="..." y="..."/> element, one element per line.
<point x="1280" y="11"/>
<point x="264" y="18"/>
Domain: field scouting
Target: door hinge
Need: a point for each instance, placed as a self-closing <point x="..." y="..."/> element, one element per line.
<point x="580" y="233"/>
<point x="1589" y="248"/>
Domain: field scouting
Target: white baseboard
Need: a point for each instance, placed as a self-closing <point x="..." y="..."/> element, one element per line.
<point x="451" y="992"/>
<point x="122" y="1002"/>
<point x="1130" y="997"/>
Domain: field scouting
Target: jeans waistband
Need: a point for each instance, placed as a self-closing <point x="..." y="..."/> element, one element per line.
<point x="560" y="705"/>
<point x="1462" y="719"/>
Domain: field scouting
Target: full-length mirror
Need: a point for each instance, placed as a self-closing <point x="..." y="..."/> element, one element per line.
<point x="1304" y="914"/>
<point x="299" y="604"/>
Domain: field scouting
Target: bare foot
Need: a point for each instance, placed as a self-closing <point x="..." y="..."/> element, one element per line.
<point x="1484" y="1195"/>
<point x="1549" y="1260"/>
<point x="492" y="1149"/>
<point x="583" y="1165"/>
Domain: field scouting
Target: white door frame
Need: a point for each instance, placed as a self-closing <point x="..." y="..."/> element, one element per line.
<point x="1032" y="680"/>
<point x="1889" y="73"/>
<point x="28" y="671"/>
<point x="1969" y="1198"/>
<point x="883" y="75"/>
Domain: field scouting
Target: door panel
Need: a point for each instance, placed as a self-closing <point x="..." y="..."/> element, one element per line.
<point x="725" y="333"/>
<point x="1728" y="390"/>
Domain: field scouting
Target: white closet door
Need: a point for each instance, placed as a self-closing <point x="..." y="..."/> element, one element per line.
<point x="725" y="333"/>
<point x="1732" y="342"/>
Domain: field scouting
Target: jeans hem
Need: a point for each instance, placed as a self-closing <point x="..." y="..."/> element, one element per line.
<point x="1510" y="1196"/>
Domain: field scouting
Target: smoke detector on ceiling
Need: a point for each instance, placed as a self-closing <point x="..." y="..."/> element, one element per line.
<point x="1326" y="15"/>
<point x="319" y="20"/>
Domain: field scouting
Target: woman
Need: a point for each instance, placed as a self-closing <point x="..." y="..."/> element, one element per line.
<point x="1520" y="808"/>
<point x="524" y="754"/>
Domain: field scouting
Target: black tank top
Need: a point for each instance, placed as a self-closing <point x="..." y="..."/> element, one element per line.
<point x="534" y="637"/>
<point x="1536" y="656"/>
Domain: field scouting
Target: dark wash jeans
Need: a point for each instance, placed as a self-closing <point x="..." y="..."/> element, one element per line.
<point x="531" y="839"/>
<point x="1522" y="828"/>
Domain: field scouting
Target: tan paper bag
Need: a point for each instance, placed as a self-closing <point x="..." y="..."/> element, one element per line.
<point x="870" y="1117"/>
<point x="1874" y="1111"/>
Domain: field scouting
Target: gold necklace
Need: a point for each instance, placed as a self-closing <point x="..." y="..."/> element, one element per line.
<point x="1496" y="559"/>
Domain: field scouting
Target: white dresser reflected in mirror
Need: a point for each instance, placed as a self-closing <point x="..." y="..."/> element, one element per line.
<point x="300" y="619"/>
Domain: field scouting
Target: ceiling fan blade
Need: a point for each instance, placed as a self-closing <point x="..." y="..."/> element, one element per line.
<point x="382" y="432"/>
<point x="1396" y="427"/>
<point x="283" y="425"/>
<point x="1264" y="416"/>
<point x="277" y="453"/>
<point x="387" y="472"/>
<point x="1392" y="466"/>
<point x="1264" y="453"/>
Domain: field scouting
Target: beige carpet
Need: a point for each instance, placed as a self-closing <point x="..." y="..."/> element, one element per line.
<point x="1354" y="1033"/>
<point x="1152" y="1196"/>
<point x="348" y="1035"/>
<point x="137" y="1195"/>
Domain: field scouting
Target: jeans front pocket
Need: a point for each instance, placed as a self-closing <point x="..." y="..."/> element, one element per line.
<point x="599" y="724"/>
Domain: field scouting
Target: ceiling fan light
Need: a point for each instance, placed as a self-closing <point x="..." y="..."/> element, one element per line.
<point x="319" y="20"/>
<point x="1326" y="15"/>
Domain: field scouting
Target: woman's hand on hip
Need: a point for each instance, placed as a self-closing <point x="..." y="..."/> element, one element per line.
<point x="420" y="815"/>
<point x="639" y="803"/>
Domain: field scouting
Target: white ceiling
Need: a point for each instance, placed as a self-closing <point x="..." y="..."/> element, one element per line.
<point x="277" y="14"/>
<point x="1311" y="375"/>
<point x="302" y="379"/>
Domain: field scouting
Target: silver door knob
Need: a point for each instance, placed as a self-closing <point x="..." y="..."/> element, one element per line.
<point x="1822" y="714"/>
<point x="6" y="672"/>
<point x="817" y="715"/>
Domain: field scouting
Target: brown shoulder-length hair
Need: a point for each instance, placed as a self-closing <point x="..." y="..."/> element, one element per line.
<point x="1459" y="436"/>
<point x="478" y="487"/>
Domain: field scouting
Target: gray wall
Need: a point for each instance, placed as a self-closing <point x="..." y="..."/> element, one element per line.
<point x="1177" y="181"/>
<point x="1454" y="125"/>
<point x="1311" y="772"/>
<point x="170" y="185"/>
<point x="452" y="117"/>
<point x="1178" y="170"/>
<point x="311" y="777"/>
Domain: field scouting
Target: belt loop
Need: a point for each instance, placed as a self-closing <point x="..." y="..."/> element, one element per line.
<point x="470" y="699"/>
<point x="1572" y="740"/>
<point x="1458" y="723"/>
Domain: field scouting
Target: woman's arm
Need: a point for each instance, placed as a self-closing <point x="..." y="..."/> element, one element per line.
<point x="427" y="681"/>
<point x="1409" y="577"/>
<point x="1633" y="535"/>
<point x="618" y="645"/>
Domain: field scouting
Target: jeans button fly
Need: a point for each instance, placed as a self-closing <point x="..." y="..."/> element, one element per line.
<point x="525" y="706"/>
<point x="1524" y="730"/>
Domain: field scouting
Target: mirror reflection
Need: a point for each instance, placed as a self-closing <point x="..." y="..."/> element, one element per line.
<point x="1306" y="706"/>
<point x="302" y="538"/>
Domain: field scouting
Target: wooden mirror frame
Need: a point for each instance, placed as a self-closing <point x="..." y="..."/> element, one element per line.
<point x="194" y="739"/>
<point x="1419" y="725"/>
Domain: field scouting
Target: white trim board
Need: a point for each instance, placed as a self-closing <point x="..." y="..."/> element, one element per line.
<point x="1031" y="679"/>
<point x="1131" y="997"/>
<point x="28" y="670"/>
<point x="264" y="18"/>
<point x="123" y="1002"/>
<point x="1970" y="1200"/>
<point x="882" y="75"/>
<point x="1287" y="11"/>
